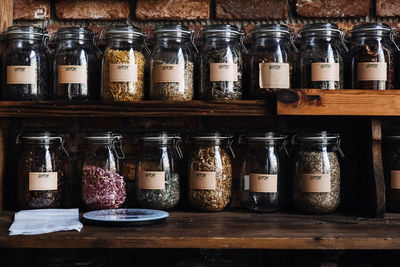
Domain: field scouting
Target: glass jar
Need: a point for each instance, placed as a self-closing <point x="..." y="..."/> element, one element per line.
<point x="158" y="172"/>
<point x="102" y="186"/>
<point x="222" y="63"/>
<point x="77" y="65"/>
<point x="270" y="60"/>
<point x="210" y="178"/>
<point x="123" y="65"/>
<point x="321" y="56"/>
<point x="392" y="177"/>
<point x="25" y="67"/>
<point x="261" y="176"/>
<point x="40" y="172"/>
<point x="372" y="56"/>
<point x="317" y="173"/>
<point x="172" y="64"/>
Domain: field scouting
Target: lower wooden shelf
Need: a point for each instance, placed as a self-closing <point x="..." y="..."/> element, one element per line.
<point x="226" y="230"/>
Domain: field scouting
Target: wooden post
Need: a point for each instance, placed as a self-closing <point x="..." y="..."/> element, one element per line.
<point x="6" y="20"/>
<point x="378" y="167"/>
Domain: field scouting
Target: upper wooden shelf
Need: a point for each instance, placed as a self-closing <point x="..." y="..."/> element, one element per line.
<point x="226" y="230"/>
<point x="339" y="102"/>
<point x="245" y="108"/>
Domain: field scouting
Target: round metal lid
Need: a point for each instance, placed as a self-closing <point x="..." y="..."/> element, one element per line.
<point x="371" y="27"/>
<point x="320" y="29"/>
<point x="25" y="30"/>
<point x="270" y="28"/>
<point x="124" y="32"/>
<point x="75" y="33"/>
<point x="45" y="137"/>
<point x="154" y="137"/>
<point x="176" y="29"/>
<point x="102" y="137"/>
<point x="221" y="29"/>
<point x="269" y="136"/>
<point x="321" y="137"/>
<point x="211" y="137"/>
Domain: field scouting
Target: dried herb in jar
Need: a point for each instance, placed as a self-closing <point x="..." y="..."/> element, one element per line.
<point x="102" y="189"/>
<point x="126" y="88"/>
<point x="321" y="57"/>
<point x="160" y="198"/>
<point x="270" y="61"/>
<point x="40" y="172"/>
<point x="178" y="90"/>
<point x="372" y="57"/>
<point x="213" y="161"/>
<point x="221" y="63"/>
<point x="318" y="163"/>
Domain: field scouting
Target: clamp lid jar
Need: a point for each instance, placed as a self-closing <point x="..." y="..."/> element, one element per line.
<point x="77" y="65"/>
<point x="172" y="64"/>
<point x="222" y="62"/>
<point x="317" y="173"/>
<point x="158" y="171"/>
<point x="102" y="186"/>
<point x="321" y="56"/>
<point x="25" y="65"/>
<point x="262" y="179"/>
<point x="210" y="178"/>
<point x="372" y="57"/>
<point x="41" y="167"/>
<point x="271" y="58"/>
<point x="123" y="65"/>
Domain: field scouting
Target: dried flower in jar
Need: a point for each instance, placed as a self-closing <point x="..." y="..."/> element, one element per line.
<point x="102" y="189"/>
<point x="123" y="75"/>
<point x="210" y="179"/>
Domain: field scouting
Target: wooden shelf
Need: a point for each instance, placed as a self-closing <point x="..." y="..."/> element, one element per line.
<point x="339" y="102"/>
<point x="226" y="230"/>
<point x="245" y="108"/>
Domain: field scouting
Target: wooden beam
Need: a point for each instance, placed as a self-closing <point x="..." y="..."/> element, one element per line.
<point x="316" y="102"/>
<point x="6" y="14"/>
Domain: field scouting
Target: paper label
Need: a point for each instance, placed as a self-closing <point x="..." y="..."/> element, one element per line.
<point x="274" y="75"/>
<point x="169" y="73"/>
<point x="42" y="181"/>
<point x="395" y="179"/>
<point x="324" y="72"/>
<point x="223" y="72"/>
<point x="21" y="75"/>
<point x="315" y="183"/>
<point x="203" y="180"/>
<point x="372" y="71"/>
<point x="124" y="73"/>
<point x="72" y="74"/>
<point x="152" y="180"/>
<point x="263" y="183"/>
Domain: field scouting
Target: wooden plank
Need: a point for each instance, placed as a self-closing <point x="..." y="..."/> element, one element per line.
<point x="226" y="230"/>
<point x="6" y="14"/>
<point x="377" y="165"/>
<point x="246" y="108"/>
<point x="339" y="102"/>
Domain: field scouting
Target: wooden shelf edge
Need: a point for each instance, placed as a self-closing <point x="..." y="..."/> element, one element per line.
<point x="237" y="108"/>
<point x="226" y="230"/>
<point x="345" y="102"/>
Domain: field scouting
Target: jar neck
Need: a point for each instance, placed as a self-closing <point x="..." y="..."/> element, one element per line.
<point x="318" y="147"/>
<point x="21" y="42"/>
<point x="173" y="41"/>
<point x="74" y="42"/>
<point x="265" y="41"/>
<point x="125" y="43"/>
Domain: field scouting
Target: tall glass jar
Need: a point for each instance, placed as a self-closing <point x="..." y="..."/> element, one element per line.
<point x="172" y="64"/>
<point x="77" y="65"/>
<point x="321" y="56"/>
<point x="41" y="171"/>
<point x="210" y="178"/>
<point x="317" y="173"/>
<point x="123" y="65"/>
<point x="270" y="60"/>
<point x="372" y="55"/>
<point x="222" y="63"/>
<point x="158" y="172"/>
<point x="392" y="176"/>
<point x="261" y="177"/>
<point x="25" y="67"/>
<point x="102" y="186"/>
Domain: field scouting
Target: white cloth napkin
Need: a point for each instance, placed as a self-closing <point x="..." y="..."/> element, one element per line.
<point x="41" y="221"/>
